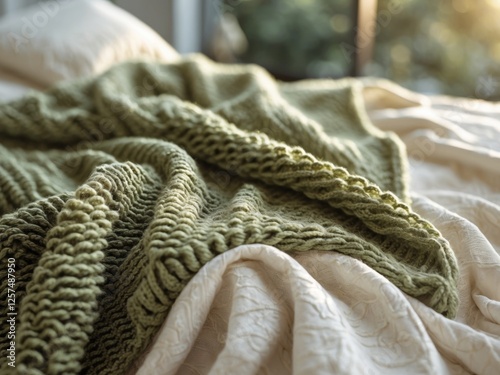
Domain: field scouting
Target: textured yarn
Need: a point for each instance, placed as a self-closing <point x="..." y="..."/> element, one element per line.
<point x="115" y="190"/>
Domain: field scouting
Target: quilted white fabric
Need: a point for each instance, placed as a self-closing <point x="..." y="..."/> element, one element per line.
<point x="256" y="310"/>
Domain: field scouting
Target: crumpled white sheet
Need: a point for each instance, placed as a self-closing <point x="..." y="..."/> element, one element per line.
<point x="257" y="310"/>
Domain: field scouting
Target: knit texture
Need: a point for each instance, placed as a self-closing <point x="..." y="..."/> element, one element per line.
<point x="116" y="190"/>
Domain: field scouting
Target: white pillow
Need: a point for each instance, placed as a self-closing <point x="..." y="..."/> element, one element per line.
<point x="61" y="39"/>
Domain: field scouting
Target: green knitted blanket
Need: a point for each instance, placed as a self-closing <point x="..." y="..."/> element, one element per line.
<point x="116" y="190"/>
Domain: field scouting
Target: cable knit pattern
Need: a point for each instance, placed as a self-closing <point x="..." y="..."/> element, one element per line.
<point x="116" y="190"/>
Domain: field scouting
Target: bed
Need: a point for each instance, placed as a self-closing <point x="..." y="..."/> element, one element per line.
<point x="257" y="310"/>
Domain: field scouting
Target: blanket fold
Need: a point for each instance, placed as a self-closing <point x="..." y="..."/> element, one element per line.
<point x="116" y="190"/>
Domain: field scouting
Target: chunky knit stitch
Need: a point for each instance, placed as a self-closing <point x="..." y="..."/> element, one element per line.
<point x="116" y="190"/>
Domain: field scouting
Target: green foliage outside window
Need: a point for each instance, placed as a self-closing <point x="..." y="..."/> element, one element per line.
<point x="448" y="46"/>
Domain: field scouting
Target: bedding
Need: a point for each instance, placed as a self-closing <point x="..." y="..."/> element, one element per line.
<point x="277" y="309"/>
<point x="126" y="220"/>
<point x="263" y="311"/>
<point x="61" y="39"/>
<point x="12" y="86"/>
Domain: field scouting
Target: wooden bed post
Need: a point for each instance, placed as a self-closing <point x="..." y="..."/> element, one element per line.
<point x="365" y="15"/>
